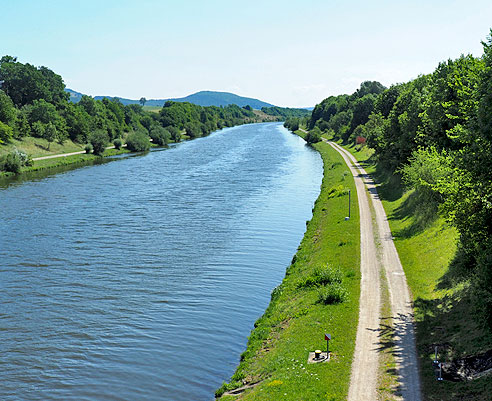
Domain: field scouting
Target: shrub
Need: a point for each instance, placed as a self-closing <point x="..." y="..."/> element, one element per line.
<point x="118" y="143"/>
<point x="88" y="148"/>
<point x="322" y="277"/>
<point x="334" y="293"/>
<point x="277" y="291"/>
<point x="428" y="171"/>
<point x="175" y="133"/>
<point x="99" y="139"/>
<point x="5" y="132"/>
<point x="11" y="163"/>
<point x="313" y="136"/>
<point x="138" y="141"/>
<point x="160" y="136"/>
<point x="292" y="123"/>
<point x="335" y="192"/>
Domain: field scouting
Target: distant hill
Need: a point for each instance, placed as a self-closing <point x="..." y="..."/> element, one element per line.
<point x="202" y="98"/>
<point x="74" y="96"/>
<point x="211" y="98"/>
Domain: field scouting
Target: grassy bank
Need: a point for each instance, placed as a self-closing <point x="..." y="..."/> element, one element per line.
<point x="75" y="160"/>
<point x="38" y="147"/>
<point x="295" y="321"/>
<point x="427" y="246"/>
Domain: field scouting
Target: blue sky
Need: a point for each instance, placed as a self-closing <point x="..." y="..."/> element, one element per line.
<point x="289" y="53"/>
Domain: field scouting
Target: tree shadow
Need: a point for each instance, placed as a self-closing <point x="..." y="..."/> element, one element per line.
<point x="422" y="210"/>
<point x="390" y="186"/>
<point x="448" y="323"/>
<point x="460" y="269"/>
<point x="385" y="335"/>
<point x="41" y="146"/>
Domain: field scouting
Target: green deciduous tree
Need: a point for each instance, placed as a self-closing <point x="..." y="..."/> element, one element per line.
<point x="99" y="140"/>
<point x="138" y="141"/>
<point x="7" y="109"/>
<point x="50" y="133"/>
<point x="193" y="129"/>
<point x="313" y="136"/>
<point x="24" y="83"/>
<point x="160" y="136"/>
<point x="175" y="133"/>
<point x="5" y="132"/>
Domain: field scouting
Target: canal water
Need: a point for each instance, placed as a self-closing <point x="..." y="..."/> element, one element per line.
<point x="140" y="279"/>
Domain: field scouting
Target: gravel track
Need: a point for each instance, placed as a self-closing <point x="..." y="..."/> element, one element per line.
<point x="365" y="365"/>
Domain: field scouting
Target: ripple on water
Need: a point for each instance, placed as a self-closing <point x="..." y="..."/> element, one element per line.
<point x="142" y="278"/>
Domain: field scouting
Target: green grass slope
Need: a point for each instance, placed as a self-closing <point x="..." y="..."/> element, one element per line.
<point x="427" y="246"/>
<point x="295" y="321"/>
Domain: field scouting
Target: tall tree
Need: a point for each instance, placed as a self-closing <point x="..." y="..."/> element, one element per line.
<point x="7" y="110"/>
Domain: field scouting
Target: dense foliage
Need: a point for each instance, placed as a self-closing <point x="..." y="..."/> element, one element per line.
<point x="343" y="114"/>
<point x="436" y="132"/>
<point x="33" y="102"/>
<point x="14" y="161"/>
<point x="202" y="120"/>
<point x="138" y="141"/>
<point x="286" y="112"/>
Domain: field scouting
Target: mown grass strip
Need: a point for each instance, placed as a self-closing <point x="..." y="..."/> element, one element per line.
<point x="427" y="247"/>
<point x="295" y="321"/>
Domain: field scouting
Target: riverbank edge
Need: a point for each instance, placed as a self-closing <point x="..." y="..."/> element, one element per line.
<point x="295" y="322"/>
<point x="80" y="159"/>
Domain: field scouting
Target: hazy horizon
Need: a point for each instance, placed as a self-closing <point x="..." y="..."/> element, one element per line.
<point x="291" y="54"/>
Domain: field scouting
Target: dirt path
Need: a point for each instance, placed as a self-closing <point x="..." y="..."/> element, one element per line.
<point x="365" y="365"/>
<point x="65" y="154"/>
<point x="363" y="381"/>
<point x="59" y="155"/>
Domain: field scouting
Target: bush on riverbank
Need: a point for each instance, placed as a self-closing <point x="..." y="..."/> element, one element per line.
<point x="118" y="143"/>
<point x="14" y="161"/>
<point x="322" y="277"/>
<point x="313" y="136"/>
<point x="138" y="141"/>
<point x="295" y="321"/>
<point x="160" y="136"/>
<point x="99" y="139"/>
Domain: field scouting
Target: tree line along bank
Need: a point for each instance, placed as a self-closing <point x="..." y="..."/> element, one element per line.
<point x="435" y="133"/>
<point x="33" y="102"/>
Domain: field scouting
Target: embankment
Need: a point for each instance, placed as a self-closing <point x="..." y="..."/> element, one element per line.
<point x="444" y="312"/>
<point x="319" y="294"/>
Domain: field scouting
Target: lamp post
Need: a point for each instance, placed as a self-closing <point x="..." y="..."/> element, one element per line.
<point x="348" y="217"/>
<point x="349" y="205"/>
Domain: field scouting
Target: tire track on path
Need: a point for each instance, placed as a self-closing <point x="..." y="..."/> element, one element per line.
<point x="365" y="366"/>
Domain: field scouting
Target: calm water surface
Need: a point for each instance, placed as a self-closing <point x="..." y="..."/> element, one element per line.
<point x="141" y="279"/>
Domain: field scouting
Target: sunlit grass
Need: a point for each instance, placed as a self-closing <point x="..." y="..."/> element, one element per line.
<point x="153" y="109"/>
<point x="295" y="322"/>
<point x="444" y="315"/>
<point x="38" y="147"/>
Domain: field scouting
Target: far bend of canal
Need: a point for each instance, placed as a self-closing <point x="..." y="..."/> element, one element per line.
<point x="140" y="279"/>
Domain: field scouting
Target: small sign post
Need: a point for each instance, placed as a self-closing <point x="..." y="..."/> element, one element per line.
<point x="327" y="338"/>
<point x="435" y="358"/>
<point x="349" y="205"/>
